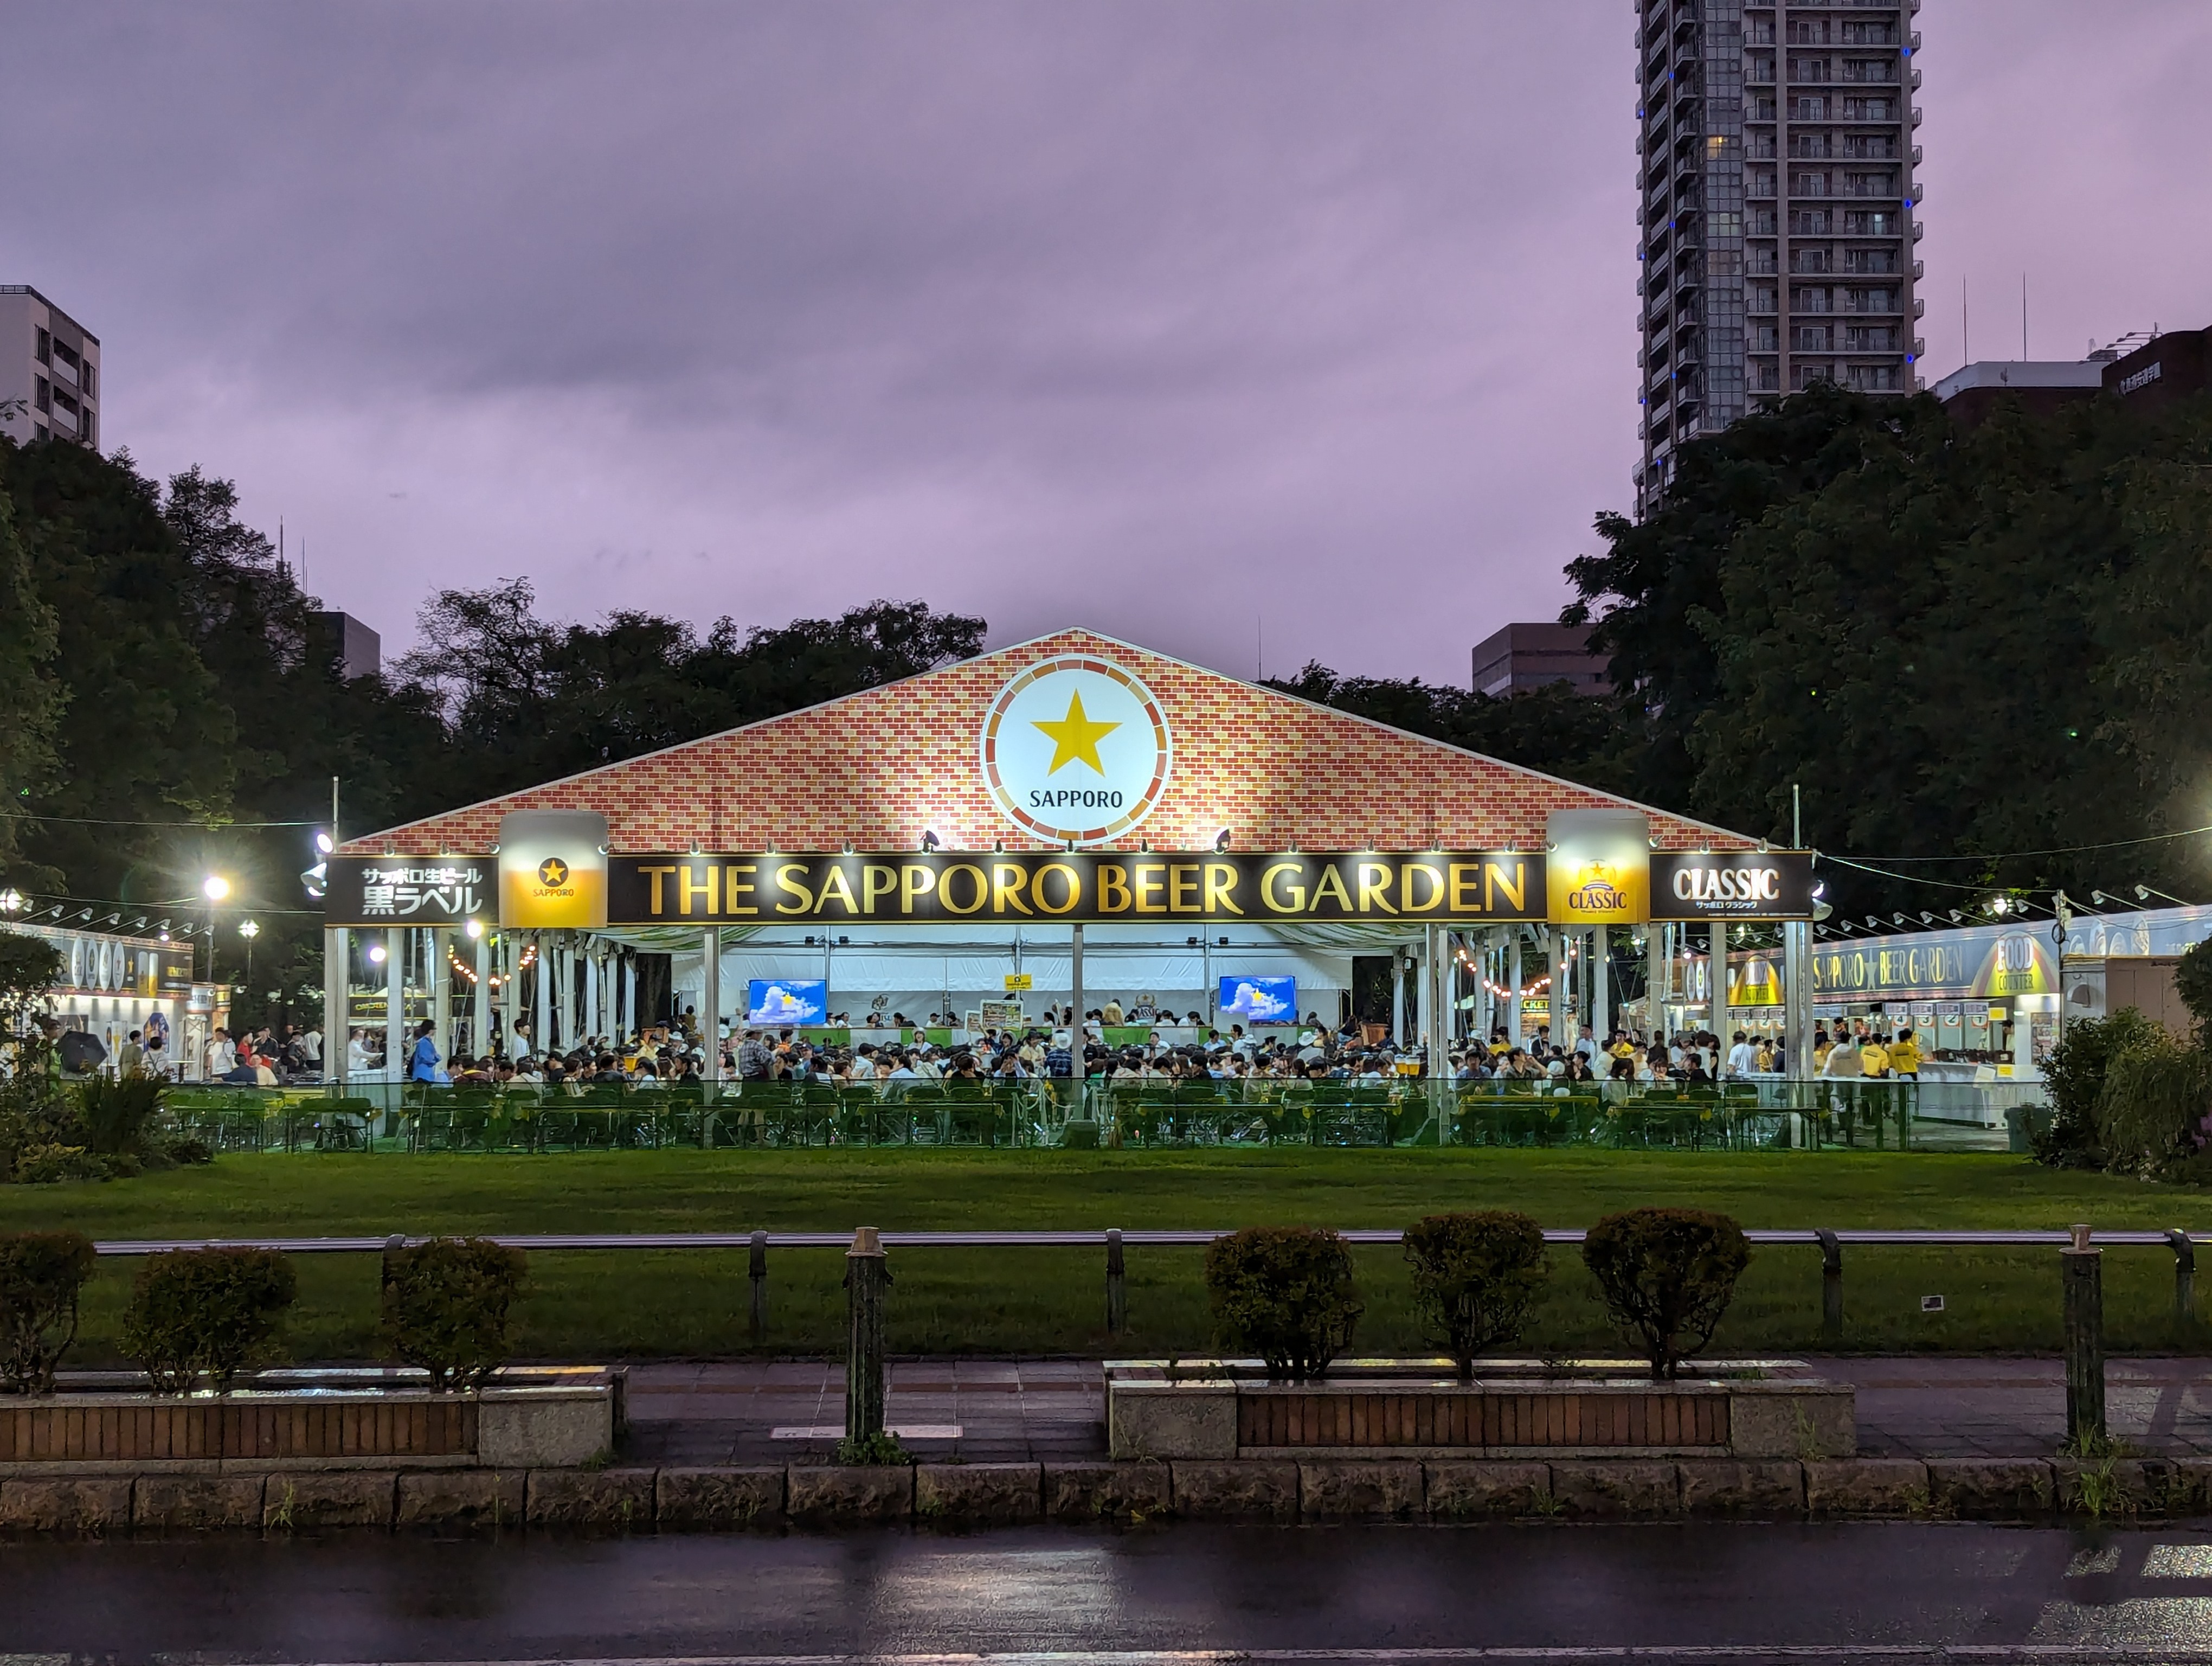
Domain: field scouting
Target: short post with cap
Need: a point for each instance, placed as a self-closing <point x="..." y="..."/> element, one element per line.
<point x="866" y="1275"/>
<point x="2083" y="1279"/>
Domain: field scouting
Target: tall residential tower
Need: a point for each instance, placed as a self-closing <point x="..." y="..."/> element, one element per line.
<point x="1778" y="207"/>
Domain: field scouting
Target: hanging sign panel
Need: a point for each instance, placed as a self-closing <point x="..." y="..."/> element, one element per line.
<point x="939" y="886"/>
<point x="1468" y="888"/>
<point x="1731" y="884"/>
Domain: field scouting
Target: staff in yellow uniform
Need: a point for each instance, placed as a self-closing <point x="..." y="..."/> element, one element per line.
<point x="1904" y="1055"/>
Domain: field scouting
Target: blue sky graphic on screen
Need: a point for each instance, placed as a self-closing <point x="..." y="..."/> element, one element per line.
<point x="1258" y="1000"/>
<point x="786" y="1000"/>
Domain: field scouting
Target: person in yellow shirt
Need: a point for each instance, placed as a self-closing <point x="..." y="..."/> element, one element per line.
<point x="1904" y="1055"/>
<point x="1874" y="1057"/>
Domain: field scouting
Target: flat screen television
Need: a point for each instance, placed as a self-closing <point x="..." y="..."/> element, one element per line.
<point x="1249" y="1000"/>
<point x="786" y="1001"/>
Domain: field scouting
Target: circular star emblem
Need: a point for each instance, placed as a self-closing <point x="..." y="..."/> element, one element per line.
<point x="1076" y="748"/>
<point x="552" y="872"/>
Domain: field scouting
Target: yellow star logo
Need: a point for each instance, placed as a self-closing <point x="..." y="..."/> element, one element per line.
<point x="1075" y="738"/>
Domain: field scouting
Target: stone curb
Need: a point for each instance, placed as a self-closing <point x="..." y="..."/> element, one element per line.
<point x="976" y="1495"/>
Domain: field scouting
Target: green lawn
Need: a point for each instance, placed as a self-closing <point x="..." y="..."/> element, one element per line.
<point x="694" y="1304"/>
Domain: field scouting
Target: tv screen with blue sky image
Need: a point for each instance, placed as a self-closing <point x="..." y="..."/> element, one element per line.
<point x="1249" y="999"/>
<point x="780" y="1001"/>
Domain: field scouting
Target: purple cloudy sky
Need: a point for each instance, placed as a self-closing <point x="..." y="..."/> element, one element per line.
<point x="1164" y="316"/>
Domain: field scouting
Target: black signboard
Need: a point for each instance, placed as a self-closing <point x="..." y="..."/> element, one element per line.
<point x="408" y="891"/>
<point x="1732" y="885"/>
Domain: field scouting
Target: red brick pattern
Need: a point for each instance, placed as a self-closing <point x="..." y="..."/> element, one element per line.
<point x="875" y="768"/>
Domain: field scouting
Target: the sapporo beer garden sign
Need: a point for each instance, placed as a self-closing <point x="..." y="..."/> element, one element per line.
<point x="889" y="887"/>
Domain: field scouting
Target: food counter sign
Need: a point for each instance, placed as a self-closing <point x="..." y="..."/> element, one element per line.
<point x="1076" y="750"/>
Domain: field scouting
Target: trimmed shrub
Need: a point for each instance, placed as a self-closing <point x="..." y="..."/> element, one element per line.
<point x="2192" y="981"/>
<point x="40" y="1276"/>
<point x="1476" y="1279"/>
<point x="446" y="1306"/>
<point x="1285" y="1293"/>
<point x="210" y="1312"/>
<point x="1667" y="1276"/>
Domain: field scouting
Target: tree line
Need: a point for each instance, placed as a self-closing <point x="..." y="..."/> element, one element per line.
<point x="1983" y="656"/>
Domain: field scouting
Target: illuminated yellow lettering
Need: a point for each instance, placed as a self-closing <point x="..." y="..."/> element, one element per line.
<point x="1112" y="888"/>
<point x="834" y="884"/>
<point x="915" y="880"/>
<point x="945" y="888"/>
<point x="1074" y="887"/>
<point x="1182" y="888"/>
<point x="1465" y="876"/>
<point x="1275" y="904"/>
<point x="1220" y="889"/>
<point x="1435" y="879"/>
<point x="732" y="890"/>
<point x="687" y="888"/>
<point x="656" y="875"/>
<point x="875" y="881"/>
<point x="1494" y="880"/>
<point x="792" y="887"/>
<point x="1007" y="879"/>
<point x="1331" y="883"/>
<point x="1148" y="880"/>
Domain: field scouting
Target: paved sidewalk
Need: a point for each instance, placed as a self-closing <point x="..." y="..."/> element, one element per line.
<point x="1001" y="1410"/>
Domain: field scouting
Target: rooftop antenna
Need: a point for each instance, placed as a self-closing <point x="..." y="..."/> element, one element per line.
<point x="2023" y="318"/>
<point x="1965" y="341"/>
<point x="1259" y="644"/>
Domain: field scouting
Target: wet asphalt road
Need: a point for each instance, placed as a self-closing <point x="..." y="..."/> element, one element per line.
<point x="1741" y="1593"/>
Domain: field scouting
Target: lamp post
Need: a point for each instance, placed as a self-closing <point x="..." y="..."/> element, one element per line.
<point x="214" y="888"/>
<point x="249" y="930"/>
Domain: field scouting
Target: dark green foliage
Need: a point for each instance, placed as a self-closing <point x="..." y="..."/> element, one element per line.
<point x="1284" y="1293"/>
<point x="2155" y="1109"/>
<point x="116" y="1110"/>
<point x="205" y="1312"/>
<point x="2192" y="981"/>
<point x="40" y="1276"/>
<point x="877" y="1449"/>
<point x="28" y="968"/>
<point x="2074" y="1078"/>
<point x="447" y="1303"/>
<point x="1667" y="1276"/>
<point x="1476" y="1279"/>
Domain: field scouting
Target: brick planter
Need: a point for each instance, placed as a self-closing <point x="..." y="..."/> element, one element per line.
<point x="1222" y="1410"/>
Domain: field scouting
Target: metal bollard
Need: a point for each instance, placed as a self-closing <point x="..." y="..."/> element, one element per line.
<point x="1832" y="1286"/>
<point x="2082" y="1277"/>
<point x="2184" y="1274"/>
<point x="866" y="1275"/>
<point x="759" y="1270"/>
<point x="1117" y="1287"/>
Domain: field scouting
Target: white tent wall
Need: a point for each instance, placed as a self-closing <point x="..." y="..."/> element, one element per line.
<point x="915" y="970"/>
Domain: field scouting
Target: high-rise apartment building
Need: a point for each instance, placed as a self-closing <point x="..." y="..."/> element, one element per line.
<point x="49" y="371"/>
<point x="1780" y="207"/>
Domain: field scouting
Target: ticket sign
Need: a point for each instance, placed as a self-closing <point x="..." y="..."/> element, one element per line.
<point x="1016" y="983"/>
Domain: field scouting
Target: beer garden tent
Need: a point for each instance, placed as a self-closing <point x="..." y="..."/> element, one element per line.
<point x="1070" y="819"/>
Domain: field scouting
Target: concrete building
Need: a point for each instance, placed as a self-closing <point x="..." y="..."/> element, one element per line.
<point x="357" y="650"/>
<point x="2146" y="368"/>
<point x="49" y="371"/>
<point x="1521" y="657"/>
<point x="1779" y="209"/>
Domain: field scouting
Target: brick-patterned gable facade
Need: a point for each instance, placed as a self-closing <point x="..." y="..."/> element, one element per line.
<point x="875" y="768"/>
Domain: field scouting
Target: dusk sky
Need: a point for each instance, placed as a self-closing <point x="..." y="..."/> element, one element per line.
<point x="1182" y="320"/>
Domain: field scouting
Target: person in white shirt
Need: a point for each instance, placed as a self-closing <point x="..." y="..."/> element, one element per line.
<point x="1741" y="1059"/>
<point x="359" y="1061"/>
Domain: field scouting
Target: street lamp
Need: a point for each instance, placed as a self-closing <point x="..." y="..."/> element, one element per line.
<point x="249" y="930"/>
<point x="11" y="901"/>
<point x="214" y="888"/>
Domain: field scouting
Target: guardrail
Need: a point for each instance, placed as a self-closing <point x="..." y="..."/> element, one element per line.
<point x="1116" y="1240"/>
